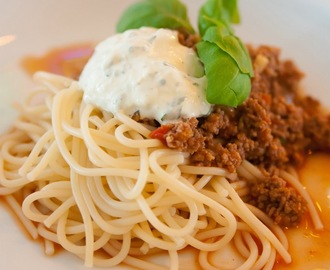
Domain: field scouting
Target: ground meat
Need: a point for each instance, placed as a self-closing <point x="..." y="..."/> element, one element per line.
<point x="275" y="127"/>
<point x="185" y="136"/>
<point x="188" y="40"/>
<point x="279" y="201"/>
<point x="147" y="121"/>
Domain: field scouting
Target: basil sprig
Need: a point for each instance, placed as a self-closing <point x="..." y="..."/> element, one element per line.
<point x="226" y="84"/>
<point x="218" y="12"/>
<point x="171" y="14"/>
<point x="227" y="63"/>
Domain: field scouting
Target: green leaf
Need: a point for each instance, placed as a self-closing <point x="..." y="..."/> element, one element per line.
<point x="171" y="14"/>
<point x="227" y="85"/>
<point x="232" y="45"/>
<point x="217" y="13"/>
<point x="232" y="7"/>
<point x="226" y="60"/>
<point x="241" y="86"/>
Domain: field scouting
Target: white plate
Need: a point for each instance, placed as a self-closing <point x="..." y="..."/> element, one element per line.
<point x="300" y="27"/>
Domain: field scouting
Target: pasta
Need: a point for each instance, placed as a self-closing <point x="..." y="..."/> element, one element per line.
<point x="97" y="185"/>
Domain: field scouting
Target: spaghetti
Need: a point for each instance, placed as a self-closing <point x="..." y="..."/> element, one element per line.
<point x="98" y="186"/>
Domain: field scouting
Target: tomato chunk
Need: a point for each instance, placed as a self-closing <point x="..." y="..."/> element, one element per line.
<point x="160" y="133"/>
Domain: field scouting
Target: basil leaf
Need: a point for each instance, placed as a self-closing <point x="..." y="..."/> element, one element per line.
<point x="217" y="13"/>
<point x="171" y="14"/>
<point x="232" y="45"/>
<point x="232" y="7"/>
<point x="226" y="60"/>
<point x="227" y="85"/>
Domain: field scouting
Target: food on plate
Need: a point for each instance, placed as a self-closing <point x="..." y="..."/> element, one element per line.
<point x="170" y="139"/>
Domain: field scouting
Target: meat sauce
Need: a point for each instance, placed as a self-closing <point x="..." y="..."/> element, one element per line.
<point x="273" y="129"/>
<point x="308" y="247"/>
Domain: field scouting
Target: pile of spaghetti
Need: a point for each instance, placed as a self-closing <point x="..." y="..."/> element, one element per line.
<point x="97" y="185"/>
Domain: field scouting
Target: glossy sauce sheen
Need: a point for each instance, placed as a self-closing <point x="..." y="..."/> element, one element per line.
<point x="310" y="249"/>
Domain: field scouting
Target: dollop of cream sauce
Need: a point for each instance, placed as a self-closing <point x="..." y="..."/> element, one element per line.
<point x="148" y="71"/>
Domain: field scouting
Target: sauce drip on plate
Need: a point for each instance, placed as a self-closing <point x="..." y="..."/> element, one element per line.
<point x="67" y="61"/>
<point x="310" y="248"/>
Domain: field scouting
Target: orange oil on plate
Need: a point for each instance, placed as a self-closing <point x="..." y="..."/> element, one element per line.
<point x="310" y="249"/>
<point x="68" y="61"/>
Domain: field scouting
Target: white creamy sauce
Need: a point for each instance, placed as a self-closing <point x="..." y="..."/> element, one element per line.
<point x="147" y="71"/>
